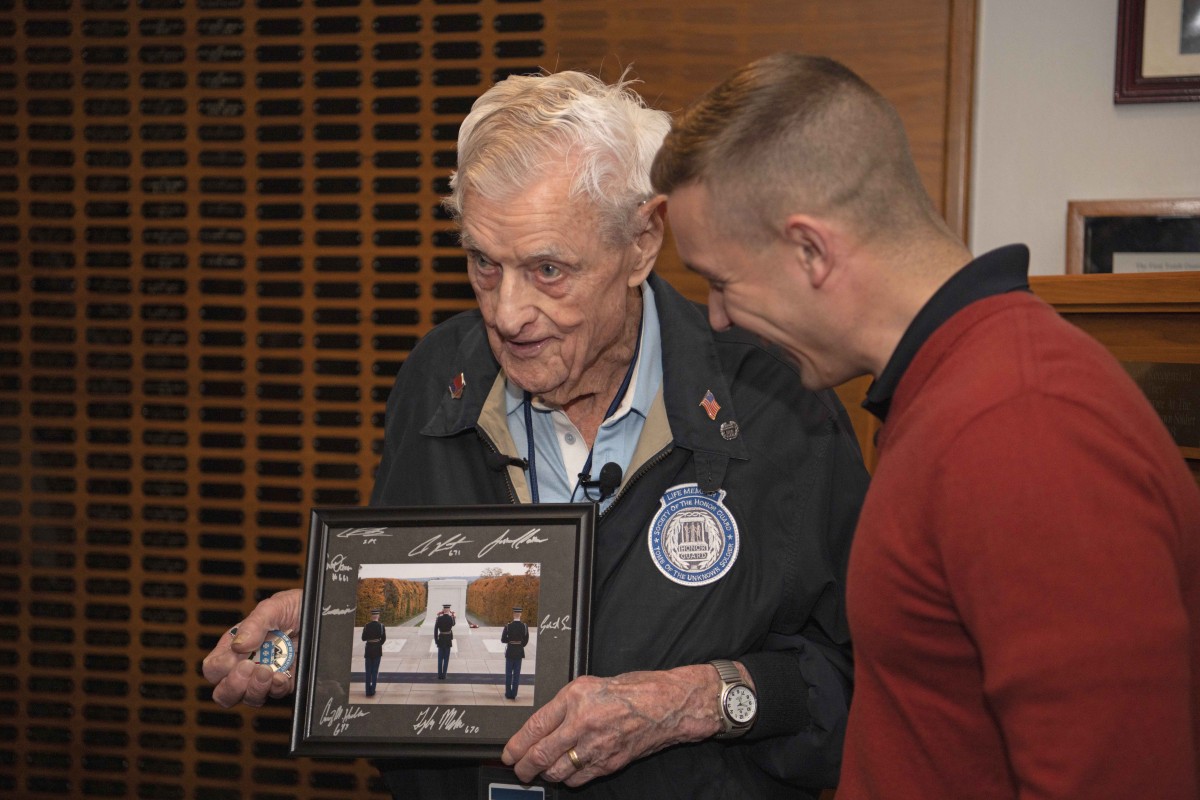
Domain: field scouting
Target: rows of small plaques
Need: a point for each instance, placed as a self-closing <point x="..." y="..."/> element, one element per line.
<point x="219" y="238"/>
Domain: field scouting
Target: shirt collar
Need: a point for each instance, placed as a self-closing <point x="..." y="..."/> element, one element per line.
<point x="643" y="385"/>
<point x="997" y="272"/>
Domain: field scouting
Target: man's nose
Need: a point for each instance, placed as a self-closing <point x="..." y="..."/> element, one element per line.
<point x="515" y="303"/>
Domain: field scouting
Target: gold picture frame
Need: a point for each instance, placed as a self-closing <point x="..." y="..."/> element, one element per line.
<point x="1106" y="236"/>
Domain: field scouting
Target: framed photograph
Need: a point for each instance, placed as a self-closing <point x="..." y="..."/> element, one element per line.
<point x="1133" y="236"/>
<point x="436" y="632"/>
<point x="1158" y="51"/>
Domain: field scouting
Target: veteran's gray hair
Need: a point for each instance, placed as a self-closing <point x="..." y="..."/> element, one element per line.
<point x="528" y="125"/>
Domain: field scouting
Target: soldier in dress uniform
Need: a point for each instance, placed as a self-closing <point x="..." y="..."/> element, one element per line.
<point x="516" y="636"/>
<point x="374" y="634"/>
<point x="443" y="637"/>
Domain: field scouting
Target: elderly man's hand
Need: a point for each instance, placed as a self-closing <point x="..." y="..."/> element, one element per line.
<point x="237" y="678"/>
<point x="613" y="721"/>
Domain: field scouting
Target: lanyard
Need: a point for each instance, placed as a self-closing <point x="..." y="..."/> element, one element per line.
<point x="612" y="407"/>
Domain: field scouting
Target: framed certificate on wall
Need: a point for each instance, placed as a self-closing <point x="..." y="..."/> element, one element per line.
<point x="1133" y="236"/>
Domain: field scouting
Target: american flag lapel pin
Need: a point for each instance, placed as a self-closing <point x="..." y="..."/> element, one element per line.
<point x="457" y="385"/>
<point x="710" y="405"/>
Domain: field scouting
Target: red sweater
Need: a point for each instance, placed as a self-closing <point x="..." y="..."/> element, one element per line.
<point x="1024" y="584"/>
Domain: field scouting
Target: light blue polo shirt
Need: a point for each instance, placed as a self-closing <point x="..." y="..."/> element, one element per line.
<point x="561" y="450"/>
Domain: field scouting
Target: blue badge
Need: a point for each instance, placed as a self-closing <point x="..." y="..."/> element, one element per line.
<point x="277" y="652"/>
<point x="693" y="537"/>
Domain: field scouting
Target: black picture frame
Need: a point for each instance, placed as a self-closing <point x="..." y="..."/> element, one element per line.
<point x="347" y="543"/>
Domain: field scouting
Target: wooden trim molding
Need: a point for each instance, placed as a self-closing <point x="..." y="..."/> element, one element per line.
<point x="1170" y="292"/>
<point x="959" y="105"/>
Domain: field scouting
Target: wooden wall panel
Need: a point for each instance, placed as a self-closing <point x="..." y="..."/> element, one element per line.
<point x="219" y="238"/>
<point x="1142" y="320"/>
<point x="917" y="53"/>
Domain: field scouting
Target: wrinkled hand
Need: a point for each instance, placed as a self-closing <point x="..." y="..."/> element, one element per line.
<point x="237" y="678"/>
<point x="613" y="721"/>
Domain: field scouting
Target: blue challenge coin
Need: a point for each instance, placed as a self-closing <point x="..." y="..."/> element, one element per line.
<point x="277" y="652"/>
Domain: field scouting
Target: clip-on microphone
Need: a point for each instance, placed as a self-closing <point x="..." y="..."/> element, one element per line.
<point x="609" y="482"/>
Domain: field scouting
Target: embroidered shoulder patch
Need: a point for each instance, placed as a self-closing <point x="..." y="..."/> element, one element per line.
<point x="693" y="538"/>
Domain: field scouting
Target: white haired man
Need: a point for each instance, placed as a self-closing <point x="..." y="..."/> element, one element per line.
<point x="578" y="357"/>
<point x="1024" y="586"/>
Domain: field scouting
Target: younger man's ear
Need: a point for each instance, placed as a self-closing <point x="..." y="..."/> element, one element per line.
<point x="811" y="241"/>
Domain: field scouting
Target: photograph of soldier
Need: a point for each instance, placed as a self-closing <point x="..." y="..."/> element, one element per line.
<point x="443" y="636"/>
<point x="516" y="636"/>
<point x="374" y="634"/>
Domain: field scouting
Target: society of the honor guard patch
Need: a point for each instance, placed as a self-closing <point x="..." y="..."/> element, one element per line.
<point x="277" y="652"/>
<point x="693" y="538"/>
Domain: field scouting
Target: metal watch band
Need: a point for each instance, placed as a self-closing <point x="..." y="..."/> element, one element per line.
<point x="727" y="670"/>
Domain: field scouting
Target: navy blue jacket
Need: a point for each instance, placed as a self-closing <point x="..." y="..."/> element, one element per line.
<point x="794" y="482"/>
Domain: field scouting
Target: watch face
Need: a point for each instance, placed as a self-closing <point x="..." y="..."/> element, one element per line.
<point x="740" y="704"/>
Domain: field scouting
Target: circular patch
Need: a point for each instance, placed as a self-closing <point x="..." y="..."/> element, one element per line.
<point x="277" y="652"/>
<point x="693" y="538"/>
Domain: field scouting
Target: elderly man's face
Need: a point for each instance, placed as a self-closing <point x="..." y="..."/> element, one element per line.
<point x="555" y="296"/>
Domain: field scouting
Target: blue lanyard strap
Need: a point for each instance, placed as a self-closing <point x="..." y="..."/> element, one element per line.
<point x="612" y="407"/>
<point x="530" y="455"/>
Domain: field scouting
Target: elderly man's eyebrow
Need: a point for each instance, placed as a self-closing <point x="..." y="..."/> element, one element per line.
<point x="467" y="241"/>
<point x="547" y="252"/>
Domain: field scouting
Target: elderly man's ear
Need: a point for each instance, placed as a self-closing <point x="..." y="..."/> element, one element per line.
<point x="652" y="216"/>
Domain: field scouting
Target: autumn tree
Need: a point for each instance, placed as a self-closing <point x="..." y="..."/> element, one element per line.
<point x="491" y="599"/>
<point x="399" y="600"/>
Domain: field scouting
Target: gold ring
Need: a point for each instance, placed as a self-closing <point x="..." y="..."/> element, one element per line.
<point x="571" y="754"/>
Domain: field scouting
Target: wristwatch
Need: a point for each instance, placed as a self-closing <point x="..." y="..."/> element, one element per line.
<point x="738" y="703"/>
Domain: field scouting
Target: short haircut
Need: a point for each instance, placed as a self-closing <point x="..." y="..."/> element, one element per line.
<point x="527" y="125"/>
<point x="792" y="133"/>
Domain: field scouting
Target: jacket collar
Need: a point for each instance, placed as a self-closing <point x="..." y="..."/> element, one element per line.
<point x="474" y="360"/>
<point x="691" y="368"/>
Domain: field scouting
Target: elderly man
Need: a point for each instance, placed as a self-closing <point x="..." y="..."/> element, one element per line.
<point x="1024" y="587"/>
<point x="725" y="539"/>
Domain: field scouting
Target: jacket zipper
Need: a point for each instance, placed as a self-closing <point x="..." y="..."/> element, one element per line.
<point x="649" y="465"/>
<point x="512" y="492"/>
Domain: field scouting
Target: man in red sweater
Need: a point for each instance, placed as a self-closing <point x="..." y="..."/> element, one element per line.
<point x="1024" y="585"/>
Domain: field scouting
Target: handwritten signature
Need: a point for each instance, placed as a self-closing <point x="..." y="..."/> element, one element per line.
<point x="560" y="624"/>
<point x="526" y="538"/>
<point x="339" y="718"/>
<point x="330" y="611"/>
<point x="338" y="564"/>
<point x="434" y="545"/>
<point x="452" y="719"/>
<point x="351" y="533"/>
